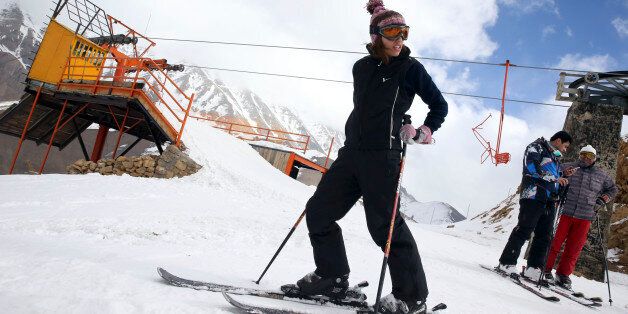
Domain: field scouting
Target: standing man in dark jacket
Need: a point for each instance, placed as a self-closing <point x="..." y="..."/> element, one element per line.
<point x="588" y="185"/>
<point x="385" y="84"/>
<point x="539" y="185"/>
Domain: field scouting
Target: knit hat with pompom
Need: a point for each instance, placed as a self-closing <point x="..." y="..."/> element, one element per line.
<point x="381" y="17"/>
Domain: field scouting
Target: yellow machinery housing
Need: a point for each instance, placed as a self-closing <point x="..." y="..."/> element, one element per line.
<point x="58" y="44"/>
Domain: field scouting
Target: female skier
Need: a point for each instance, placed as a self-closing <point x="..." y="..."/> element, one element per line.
<point x="368" y="166"/>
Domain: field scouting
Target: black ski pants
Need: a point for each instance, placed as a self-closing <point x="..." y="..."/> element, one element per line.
<point x="533" y="216"/>
<point x="373" y="175"/>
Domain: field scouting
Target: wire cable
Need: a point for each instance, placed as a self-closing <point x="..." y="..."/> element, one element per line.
<point x="362" y="53"/>
<point x="350" y="82"/>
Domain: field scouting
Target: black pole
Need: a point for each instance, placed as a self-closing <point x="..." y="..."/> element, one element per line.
<point x="131" y="146"/>
<point x="608" y="278"/>
<point x="382" y="273"/>
<point x="562" y="197"/>
<point x="80" y="138"/>
<point x="281" y="246"/>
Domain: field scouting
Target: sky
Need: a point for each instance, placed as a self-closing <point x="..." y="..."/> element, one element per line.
<point x="581" y="35"/>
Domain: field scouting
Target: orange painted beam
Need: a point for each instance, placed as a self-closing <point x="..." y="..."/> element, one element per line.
<point x="309" y="163"/>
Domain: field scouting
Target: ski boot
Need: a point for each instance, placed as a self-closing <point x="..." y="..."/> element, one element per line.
<point x="533" y="274"/>
<point x="547" y="276"/>
<point x="563" y="281"/>
<point x="391" y="305"/>
<point x="508" y="269"/>
<point x="334" y="289"/>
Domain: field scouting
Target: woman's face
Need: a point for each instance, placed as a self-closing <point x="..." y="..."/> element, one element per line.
<point x="392" y="47"/>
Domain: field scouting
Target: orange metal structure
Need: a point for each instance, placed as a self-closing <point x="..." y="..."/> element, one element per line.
<point x="120" y="77"/>
<point x="295" y="158"/>
<point x="19" y="143"/>
<point x="91" y="79"/>
<point x="329" y="151"/>
<point x="495" y="155"/>
<point x="239" y="129"/>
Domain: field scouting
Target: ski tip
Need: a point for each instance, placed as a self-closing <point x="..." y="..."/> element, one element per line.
<point x="162" y="272"/>
<point x="226" y="296"/>
<point x="439" y="306"/>
<point x="237" y="304"/>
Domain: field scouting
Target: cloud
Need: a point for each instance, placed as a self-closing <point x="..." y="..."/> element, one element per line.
<point x="568" y="31"/>
<point x="621" y="26"/>
<point x="531" y="6"/>
<point x="548" y="30"/>
<point x="597" y="63"/>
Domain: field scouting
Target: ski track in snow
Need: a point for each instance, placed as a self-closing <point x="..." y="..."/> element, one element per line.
<point x="91" y="243"/>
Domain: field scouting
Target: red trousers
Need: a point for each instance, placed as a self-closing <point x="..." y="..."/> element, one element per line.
<point x="575" y="231"/>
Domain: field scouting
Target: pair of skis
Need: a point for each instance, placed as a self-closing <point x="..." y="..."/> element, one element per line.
<point x="578" y="297"/>
<point x="524" y="282"/>
<point x="357" y="305"/>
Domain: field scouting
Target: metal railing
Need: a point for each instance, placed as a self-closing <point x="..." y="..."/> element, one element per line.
<point x="254" y="133"/>
<point x="122" y="75"/>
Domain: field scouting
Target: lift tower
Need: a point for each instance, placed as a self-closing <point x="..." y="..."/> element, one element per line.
<point x="91" y="68"/>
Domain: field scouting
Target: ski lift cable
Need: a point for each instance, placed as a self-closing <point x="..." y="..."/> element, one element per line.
<point x="350" y="82"/>
<point x="363" y="53"/>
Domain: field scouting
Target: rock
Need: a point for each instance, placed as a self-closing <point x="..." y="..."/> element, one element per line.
<point x="149" y="163"/>
<point x="180" y="164"/>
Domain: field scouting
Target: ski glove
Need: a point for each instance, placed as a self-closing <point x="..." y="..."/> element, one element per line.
<point x="422" y="135"/>
<point x="605" y="198"/>
<point x="407" y="134"/>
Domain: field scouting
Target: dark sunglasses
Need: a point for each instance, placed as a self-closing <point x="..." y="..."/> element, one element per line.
<point x="391" y="32"/>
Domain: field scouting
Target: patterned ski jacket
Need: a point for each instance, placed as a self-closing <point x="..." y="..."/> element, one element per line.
<point x="585" y="186"/>
<point x="540" y="172"/>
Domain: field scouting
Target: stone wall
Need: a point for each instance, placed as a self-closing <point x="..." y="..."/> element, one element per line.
<point x="600" y="126"/>
<point x="618" y="241"/>
<point x="172" y="163"/>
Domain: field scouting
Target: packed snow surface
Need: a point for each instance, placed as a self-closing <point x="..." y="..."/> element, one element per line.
<point x="92" y="243"/>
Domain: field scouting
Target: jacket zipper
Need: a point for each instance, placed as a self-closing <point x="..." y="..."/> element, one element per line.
<point x="391" y="119"/>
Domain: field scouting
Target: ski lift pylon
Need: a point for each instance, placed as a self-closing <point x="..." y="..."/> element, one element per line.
<point x="495" y="155"/>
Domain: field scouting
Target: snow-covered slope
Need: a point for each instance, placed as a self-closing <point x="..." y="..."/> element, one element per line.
<point x="91" y="243"/>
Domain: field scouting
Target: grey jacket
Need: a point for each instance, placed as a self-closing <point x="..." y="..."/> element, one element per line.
<point x="585" y="186"/>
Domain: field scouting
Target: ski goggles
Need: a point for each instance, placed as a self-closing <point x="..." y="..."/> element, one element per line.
<point x="391" y="32"/>
<point x="588" y="155"/>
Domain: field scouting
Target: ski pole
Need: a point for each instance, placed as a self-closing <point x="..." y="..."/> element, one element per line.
<point x="382" y="274"/>
<point x="281" y="246"/>
<point x="561" y="202"/>
<point x="608" y="278"/>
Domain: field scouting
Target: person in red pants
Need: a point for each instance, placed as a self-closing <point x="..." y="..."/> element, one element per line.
<point x="587" y="185"/>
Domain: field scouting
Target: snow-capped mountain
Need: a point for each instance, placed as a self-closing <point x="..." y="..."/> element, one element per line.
<point x="434" y="213"/>
<point x="18" y="43"/>
<point x="215" y="99"/>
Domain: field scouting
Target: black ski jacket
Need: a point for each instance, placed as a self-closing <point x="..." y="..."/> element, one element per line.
<point x="382" y="94"/>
